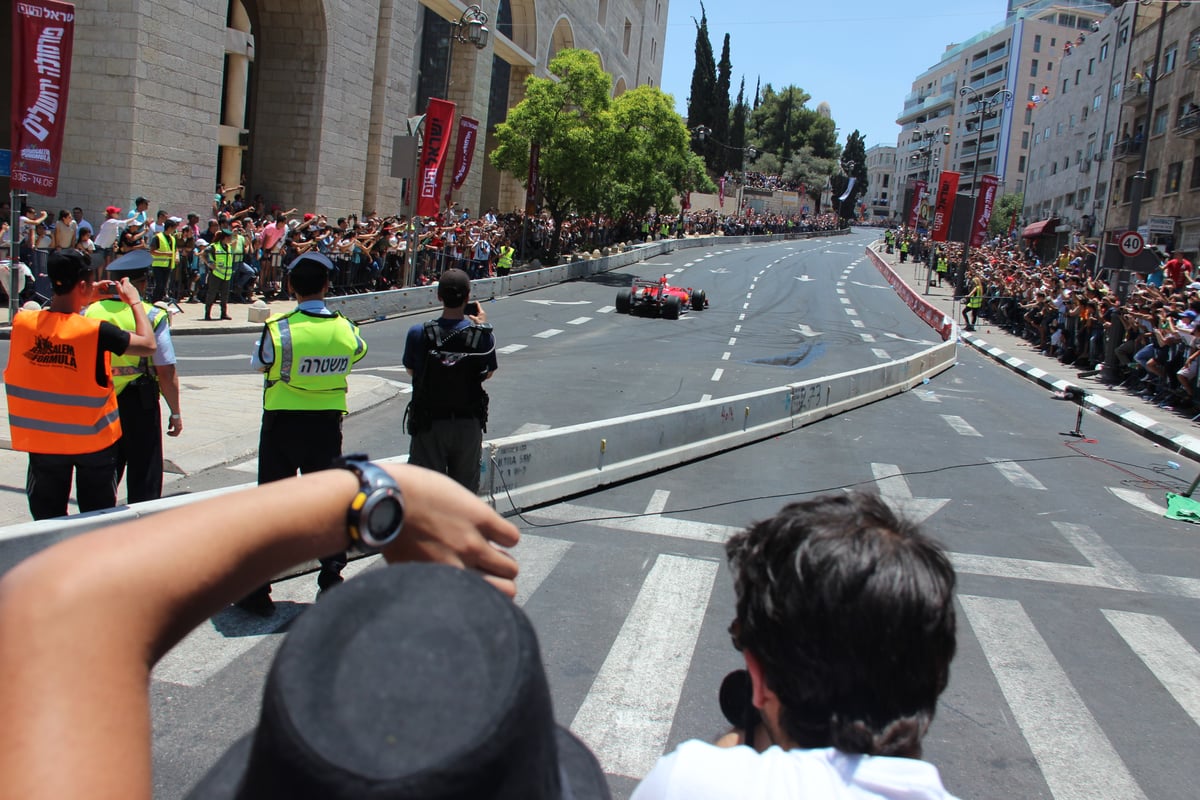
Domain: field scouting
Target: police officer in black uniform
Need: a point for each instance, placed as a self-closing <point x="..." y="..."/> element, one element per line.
<point x="449" y="359"/>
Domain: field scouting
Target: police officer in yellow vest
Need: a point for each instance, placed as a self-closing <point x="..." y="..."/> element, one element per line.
<point x="163" y="248"/>
<point x="943" y="266"/>
<point x="61" y="405"/>
<point x="306" y="354"/>
<point x="138" y="381"/>
<point x="219" y="256"/>
<point x="505" y="261"/>
<point x="973" y="304"/>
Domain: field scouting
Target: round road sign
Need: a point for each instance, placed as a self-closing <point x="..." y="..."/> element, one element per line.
<point x="1130" y="243"/>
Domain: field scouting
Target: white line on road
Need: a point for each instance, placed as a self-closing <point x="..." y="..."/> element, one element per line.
<point x="725" y="356"/>
<point x="845" y="300"/>
<point x="960" y="425"/>
<point x="737" y="328"/>
<point x="894" y="488"/>
<point x="677" y="272"/>
<point x="627" y="715"/>
<point x="547" y="333"/>
<point x="717" y="373"/>
<point x="858" y="323"/>
<point x="606" y="309"/>
<point x="840" y="291"/>
<point x="580" y="320"/>
<point x="704" y="398"/>
<point x="538" y="557"/>
<point x="745" y="306"/>
<point x="530" y="427"/>
<point x="1017" y="475"/>
<point x="1173" y="661"/>
<point x="1138" y="500"/>
<point x="509" y="349"/>
<point x="245" y="358"/>
<point x="929" y="397"/>
<point x="741" y="317"/>
<point x="850" y="312"/>
<point x="866" y="337"/>
<point x="749" y="295"/>
<point x="732" y="341"/>
<point x="880" y="353"/>
<point x="658" y="502"/>
<point x="1084" y="763"/>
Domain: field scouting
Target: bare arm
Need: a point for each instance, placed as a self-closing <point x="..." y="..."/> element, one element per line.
<point x="168" y="384"/>
<point x="82" y="622"/>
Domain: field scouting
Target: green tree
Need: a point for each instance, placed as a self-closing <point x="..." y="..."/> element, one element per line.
<point x="704" y="82"/>
<point x="651" y="163"/>
<point x="569" y="118"/>
<point x="737" y="125"/>
<point x="728" y="158"/>
<point x="853" y="163"/>
<point x="1003" y="211"/>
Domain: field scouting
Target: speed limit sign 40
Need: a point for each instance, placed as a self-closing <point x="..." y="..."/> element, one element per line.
<point x="1130" y="243"/>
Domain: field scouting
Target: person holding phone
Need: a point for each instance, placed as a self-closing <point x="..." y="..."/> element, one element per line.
<point x="449" y="358"/>
<point x="62" y="407"/>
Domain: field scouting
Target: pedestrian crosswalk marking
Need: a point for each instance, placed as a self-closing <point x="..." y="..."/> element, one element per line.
<point x="960" y="425"/>
<point x="894" y="488"/>
<point x="1017" y="475"/>
<point x="537" y="557"/>
<point x="1138" y="500"/>
<point x="627" y="715"/>
<point x="1076" y="758"/>
<point x="1165" y="652"/>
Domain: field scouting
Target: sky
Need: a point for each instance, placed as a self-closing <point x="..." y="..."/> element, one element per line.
<point x="860" y="57"/>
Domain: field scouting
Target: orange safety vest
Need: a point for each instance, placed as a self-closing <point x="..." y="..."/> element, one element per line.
<point x="54" y="403"/>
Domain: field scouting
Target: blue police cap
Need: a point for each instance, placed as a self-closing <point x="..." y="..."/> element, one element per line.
<point x="131" y="263"/>
<point x="312" y="258"/>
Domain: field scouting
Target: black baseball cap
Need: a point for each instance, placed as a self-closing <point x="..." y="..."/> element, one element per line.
<point x="454" y="286"/>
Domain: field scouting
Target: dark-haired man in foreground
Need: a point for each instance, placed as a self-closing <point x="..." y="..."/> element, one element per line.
<point x="845" y="616"/>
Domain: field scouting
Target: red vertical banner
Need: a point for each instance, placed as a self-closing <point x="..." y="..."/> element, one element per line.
<point x="944" y="206"/>
<point x="721" y="191"/>
<point x="464" y="153"/>
<point x="531" y="183"/>
<point x="914" y="213"/>
<point x="438" y="120"/>
<point x="43" y="31"/>
<point x="983" y="209"/>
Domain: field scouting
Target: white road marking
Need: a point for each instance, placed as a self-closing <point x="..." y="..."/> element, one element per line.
<point x="880" y="353"/>
<point x="1045" y="704"/>
<point x="804" y="278"/>
<point x="580" y="320"/>
<point x="960" y="425"/>
<point x="900" y="338"/>
<point x="845" y="300"/>
<point x="1138" y="500"/>
<point x="858" y="323"/>
<point x="560" y="302"/>
<point x="840" y="291"/>
<point x="749" y="295"/>
<point x="893" y="487"/>
<point x="704" y="398"/>
<point x="1017" y="475"/>
<point x="677" y="272"/>
<point x="928" y="397"/>
<point x="658" y="502"/>
<point x="741" y="317"/>
<point x="725" y="356"/>
<point x="1173" y="661"/>
<point x="851" y="312"/>
<point x="732" y="341"/>
<point x="250" y="466"/>
<point x="245" y="358"/>
<point x="530" y="427"/>
<point x="606" y="309"/>
<point x="870" y="285"/>
<point x="627" y="714"/>
<point x="547" y="333"/>
<point x="538" y="556"/>
<point x="717" y="373"/>
<point x="745" y="306"/>
<point x="866" y="337"/>
<point x="737" y="328"/>
<point x="806" y="331"/>
<point x="509" y="349"/>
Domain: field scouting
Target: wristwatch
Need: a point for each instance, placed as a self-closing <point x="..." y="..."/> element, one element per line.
<point x="376" y="514"/>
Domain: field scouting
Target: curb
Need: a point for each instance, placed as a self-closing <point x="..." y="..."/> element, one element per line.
<point x="1178" y="442"/>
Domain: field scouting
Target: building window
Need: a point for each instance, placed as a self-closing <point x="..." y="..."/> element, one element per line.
<point x="1024" y="140"/>
<point x="1123" y="36"/>
<point x="1053" y="42"/>
<point x="1151" y="182"/>
<point x="657" y="10"/>
<point x="1076" y="77"/>
<point x="1174" y="178"/>
<point x="1128" y="196"/>
<point x="1185" y="105"/>
<point x="1169" y="58"/>
<point x="1101" y="188"/>
<point x="1021" y="164"/>
<point x="1054" y="168"/>
<point x="1037" y="43"/>
<point x="885" y="181"/>
<point x="1066" y="83"/>
<point x="1116" y="90"/>
<point x="653" y="50"/>
<point x="1072" y="122"/>
<point x="628" y="37"/>
<point x="1104" y="51"/>
<point x="1161" y="115"/>
<point x="1096" y="103"/>
<point x="1033" y="68"/>
<point x="602" y="13"/>
<point x="1091" y="65"/>
<point x="1196" y="173"/>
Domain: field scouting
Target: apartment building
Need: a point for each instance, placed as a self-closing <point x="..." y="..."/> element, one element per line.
<point x="881" y="187"/>
<point x="958" y="115"/>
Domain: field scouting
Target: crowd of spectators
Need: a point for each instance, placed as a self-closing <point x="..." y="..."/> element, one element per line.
<point x="773" y="183"/>
<point x="1065" y="308"/>
<point x="371" y="251"/>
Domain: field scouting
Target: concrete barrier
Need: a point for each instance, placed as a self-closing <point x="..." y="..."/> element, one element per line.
<point x="933" y="316"/>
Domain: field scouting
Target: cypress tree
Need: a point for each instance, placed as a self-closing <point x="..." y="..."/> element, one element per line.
<point x="704" y="79"/>
<point x="727" y="158"/>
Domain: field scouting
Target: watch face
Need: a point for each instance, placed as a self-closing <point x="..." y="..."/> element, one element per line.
<point x="382" y="518"/>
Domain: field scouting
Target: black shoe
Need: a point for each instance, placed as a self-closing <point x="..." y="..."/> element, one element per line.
<point x="258" y="603"/>
<point x="226" y="316"/>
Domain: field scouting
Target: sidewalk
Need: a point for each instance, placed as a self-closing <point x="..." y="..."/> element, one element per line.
<point x="221" y="419"/>
<point x="190" y="319"/>
<point x="1172" y="430"/>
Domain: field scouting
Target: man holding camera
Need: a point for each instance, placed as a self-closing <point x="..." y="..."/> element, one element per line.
<point x="449" y="359"/>
<point x="845" y="616"/>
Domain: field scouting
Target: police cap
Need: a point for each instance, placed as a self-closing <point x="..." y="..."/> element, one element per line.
<point x="132" y="265"/>
<point x="312" y="258"/>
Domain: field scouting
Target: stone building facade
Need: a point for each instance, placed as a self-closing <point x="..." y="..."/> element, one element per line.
<point x="881" y="188"/>
<point x="300" y="99"/>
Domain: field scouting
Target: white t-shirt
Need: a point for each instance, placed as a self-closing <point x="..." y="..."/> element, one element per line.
<point x="701" y="771"/>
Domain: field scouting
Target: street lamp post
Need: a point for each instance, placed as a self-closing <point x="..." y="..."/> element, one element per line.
<point x="986" y="108"/>
<point x="931" y="158"/>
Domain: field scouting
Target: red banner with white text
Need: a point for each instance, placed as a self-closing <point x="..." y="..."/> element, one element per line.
<point x="983" y="209"/>
<point x="464" y="153"/>
<point x="944" y="206"/>
<point x="914" y="214"/>
<point x="438" y="120"/>
<point x="43" y="31"/>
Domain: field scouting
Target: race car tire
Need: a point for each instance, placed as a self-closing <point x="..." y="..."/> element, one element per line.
<point x="699" y="299"/>
<point x="671" y="307"/>
<point x="624" y="301"/>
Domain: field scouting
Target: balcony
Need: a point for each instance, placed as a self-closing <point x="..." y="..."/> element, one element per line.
<point x="924" y="107"/>
<point x="1189" y="125"/>
<point x="1136" y="92"/>
<point x="1192" y="59"/>
<point x="1128" y="149"/>
<point x="1085" y="165"/>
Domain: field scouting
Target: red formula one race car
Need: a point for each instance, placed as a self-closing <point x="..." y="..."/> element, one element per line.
<point x="660" y="299"/>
